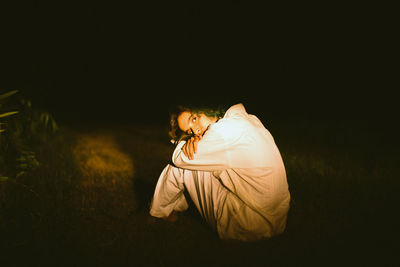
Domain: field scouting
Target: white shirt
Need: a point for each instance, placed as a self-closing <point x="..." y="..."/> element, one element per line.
<point x="242" y="154"/>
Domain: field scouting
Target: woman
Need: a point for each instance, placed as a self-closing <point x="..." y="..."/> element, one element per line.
<point x="232" y="170"/>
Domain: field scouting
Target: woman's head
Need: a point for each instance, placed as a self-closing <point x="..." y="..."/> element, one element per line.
<point x="186" y="122"/>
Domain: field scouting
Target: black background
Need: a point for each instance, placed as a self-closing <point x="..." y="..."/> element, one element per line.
<point x="108" y="61"/>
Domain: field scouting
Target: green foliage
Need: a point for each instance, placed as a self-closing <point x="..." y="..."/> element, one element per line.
<point x="26" y="161"/>
<point x="48" y="121"/>
<point x="3" y="98"/>
<point x="28" y="129"/>
<point x="8" y="114"/>
<point x="5" y="95"/>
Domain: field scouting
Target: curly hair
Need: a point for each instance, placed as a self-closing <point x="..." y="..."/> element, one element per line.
<point x="175" y="132"/>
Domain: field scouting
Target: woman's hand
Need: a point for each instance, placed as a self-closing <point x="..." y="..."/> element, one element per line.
<point x="190" y="147"/>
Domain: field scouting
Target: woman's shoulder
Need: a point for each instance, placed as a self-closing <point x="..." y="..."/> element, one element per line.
<point x="231" y="126"/>
<point x="236" y="110"/>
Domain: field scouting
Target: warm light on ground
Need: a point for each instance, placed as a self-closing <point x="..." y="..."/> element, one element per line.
<point x="99" y="157"/>
<point x="106" y="175"/>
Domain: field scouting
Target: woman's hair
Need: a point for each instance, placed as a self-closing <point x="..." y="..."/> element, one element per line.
<point x="175" y="132"/>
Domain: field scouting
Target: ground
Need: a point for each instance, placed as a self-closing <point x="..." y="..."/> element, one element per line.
<point x="87" y="204"/>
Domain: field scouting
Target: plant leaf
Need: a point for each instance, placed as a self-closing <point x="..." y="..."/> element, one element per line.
<point x="20" y="173"/>
<point x="54" y="126"/>
<point x="8" y="114"/>
<point x="3" y="178"/>
<point x="3" y="96"/>
<point x="46" y="119"/>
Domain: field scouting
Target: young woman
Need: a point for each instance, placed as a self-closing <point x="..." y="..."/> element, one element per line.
<point x="232" y="170"/>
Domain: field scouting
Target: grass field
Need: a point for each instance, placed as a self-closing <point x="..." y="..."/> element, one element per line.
<point x="87" y="204"/>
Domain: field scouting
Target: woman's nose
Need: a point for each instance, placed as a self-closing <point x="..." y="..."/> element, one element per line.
<point x="196" y="131"/>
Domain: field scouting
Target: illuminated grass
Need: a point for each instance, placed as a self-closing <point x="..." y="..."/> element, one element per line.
<point x="100" y="160"/>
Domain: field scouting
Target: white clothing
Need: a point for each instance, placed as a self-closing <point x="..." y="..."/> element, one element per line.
<point x="237" y="179"/>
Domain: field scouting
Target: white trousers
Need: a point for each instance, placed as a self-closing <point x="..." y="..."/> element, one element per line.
<point x="223" y="210"/>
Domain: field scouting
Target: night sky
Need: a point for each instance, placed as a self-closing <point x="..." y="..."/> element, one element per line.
<point x="101" y="61"/>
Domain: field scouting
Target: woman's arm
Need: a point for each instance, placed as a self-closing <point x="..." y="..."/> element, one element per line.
<point x="211" y="152"/>
<point x="204" y="159"/>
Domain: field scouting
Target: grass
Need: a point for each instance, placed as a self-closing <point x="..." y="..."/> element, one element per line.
<point x="87" y="204"/>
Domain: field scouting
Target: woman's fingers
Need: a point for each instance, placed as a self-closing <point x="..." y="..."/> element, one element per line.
<point x="190" y="148"/>
<point x="184" y="149"/>
<point x="187" y="151"/>
<point x="187" y="148"/>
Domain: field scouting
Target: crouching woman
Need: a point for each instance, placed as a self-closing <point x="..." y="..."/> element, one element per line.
<point x="232" y="170"/>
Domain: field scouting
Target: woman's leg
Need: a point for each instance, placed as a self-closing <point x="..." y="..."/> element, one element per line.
<point x="168" y="194"/>
<point x="204" y="189"/>
<point x="207" y="193"/>
<point x="222" y="210"/>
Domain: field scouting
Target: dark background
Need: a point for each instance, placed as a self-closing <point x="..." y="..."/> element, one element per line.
<point x="106" y="61"/>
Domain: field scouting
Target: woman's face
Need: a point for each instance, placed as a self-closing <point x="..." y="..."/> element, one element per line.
<point x="194" y="124"/>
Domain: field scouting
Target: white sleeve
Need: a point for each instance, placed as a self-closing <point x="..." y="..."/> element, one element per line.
<point x="212" y="150"/>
